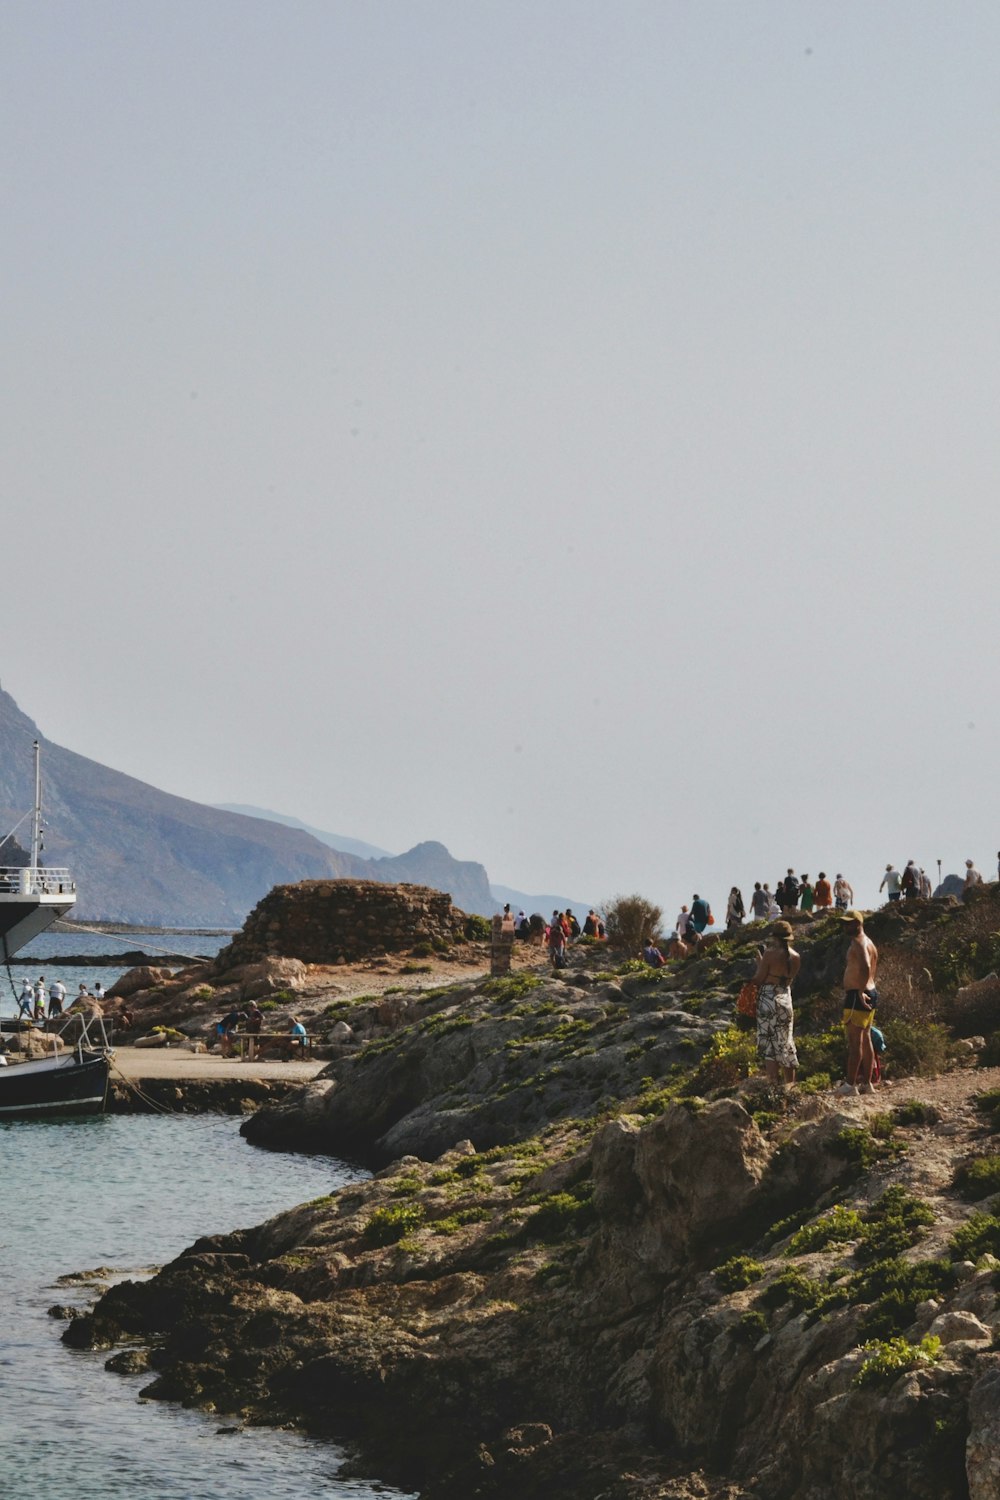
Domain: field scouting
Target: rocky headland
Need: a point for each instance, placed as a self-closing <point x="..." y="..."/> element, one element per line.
<point x="600" y="1257"/>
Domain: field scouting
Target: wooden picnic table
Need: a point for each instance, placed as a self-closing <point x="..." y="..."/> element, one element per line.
<point x="297" y="1046"/>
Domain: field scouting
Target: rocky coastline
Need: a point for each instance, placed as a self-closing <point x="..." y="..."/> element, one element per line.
<point x="597" y="1259"/>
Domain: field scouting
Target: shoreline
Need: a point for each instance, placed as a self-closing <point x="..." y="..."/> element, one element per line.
<point x="174" y="1081"/>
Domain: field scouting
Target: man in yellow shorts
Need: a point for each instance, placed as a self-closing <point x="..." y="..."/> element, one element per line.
<point x="860" y="1000"/>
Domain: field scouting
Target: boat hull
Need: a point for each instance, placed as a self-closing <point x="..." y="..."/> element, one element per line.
<point x="54" y="1086"/>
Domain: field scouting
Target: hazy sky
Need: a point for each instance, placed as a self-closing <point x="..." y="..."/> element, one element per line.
<point x="565" y="430"/>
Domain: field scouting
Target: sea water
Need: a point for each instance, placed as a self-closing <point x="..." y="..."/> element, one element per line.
<point x="46" y="955"/>
<point x="130" y="1192"/>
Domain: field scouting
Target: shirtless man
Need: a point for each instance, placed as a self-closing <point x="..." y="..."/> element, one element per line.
<point x="860" y="1000"/>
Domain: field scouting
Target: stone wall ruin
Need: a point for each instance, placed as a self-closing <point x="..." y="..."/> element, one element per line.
<point x="343" y="921"/>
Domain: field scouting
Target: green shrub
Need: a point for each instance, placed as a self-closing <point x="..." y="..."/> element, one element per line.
<point x="978" y="1177"/>
<point x="511" y="986"/>
<point x="979" y="1235"/>
<point x="914" y="1112"/>
<point x="478" y="929"/>
<point x="792" y="1285"/>
<point x="990" y="1055"/>
<point x="894" y="1288"/>
<point x="422" y="949"/>
<point x="989" y="1104"/>
<point x="839" y="1225"/>
<point x="821" y="1054"/>
<point x="916" y="1048"/>
<point x="415" y="968"/>
<point x="752" y="1326"/>
<point x="389" y="1224"/>
<point x="858" y="1146"/>
<point x="888" y="1358"/>
<point x="561" y="1212"/>
<point x="739" y="1272"/>
<point x="895" y="1222"/>
<point x="268" y="1005"/>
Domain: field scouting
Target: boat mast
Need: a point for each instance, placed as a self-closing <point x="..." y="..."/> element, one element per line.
<point x="36" y="820"/>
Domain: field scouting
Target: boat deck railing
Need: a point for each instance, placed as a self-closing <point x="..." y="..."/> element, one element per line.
<point x="87" y="1033"/>
<point x="36" y="880"/>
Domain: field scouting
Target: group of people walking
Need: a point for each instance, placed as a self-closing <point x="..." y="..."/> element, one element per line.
<point x="39" y="1002"/>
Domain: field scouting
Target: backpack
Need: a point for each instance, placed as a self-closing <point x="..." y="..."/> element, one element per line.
<point x="909" y="881"/>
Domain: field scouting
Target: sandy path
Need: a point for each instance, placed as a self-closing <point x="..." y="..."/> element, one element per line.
<point x="177" y="1062"/>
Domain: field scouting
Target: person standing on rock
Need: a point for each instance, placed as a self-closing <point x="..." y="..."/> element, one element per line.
<point x="759" y="902"/>
<point x="860" y="1000"/>
<point x="776" y="971"/>
<point x="557" y="941"/>
<point x="910" y="882"/>
<point x="26" y="1000"/>
<point x="701" y="914"/>
<point x="735" y="910"/>
<point x="807" y="895"/>
<point x="892" y="881"/>
<point x="926" y="890"/>
<point x="843" y="893"/>
<point x="823" y="894"/>
<point x="57" y="994"/>
<point x="788" y="893"/>
<point x="972" y="877"/>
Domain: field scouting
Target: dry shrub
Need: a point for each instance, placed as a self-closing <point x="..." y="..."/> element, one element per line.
<point x="630" y="921"/>
<point x="905" y="987"/>
<point x="975" y="1010"/>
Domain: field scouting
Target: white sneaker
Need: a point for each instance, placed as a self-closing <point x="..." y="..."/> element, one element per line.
<point x="845" y="1088"/>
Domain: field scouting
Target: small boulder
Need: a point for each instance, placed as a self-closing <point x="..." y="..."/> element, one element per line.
<point x="955" y="1327"/>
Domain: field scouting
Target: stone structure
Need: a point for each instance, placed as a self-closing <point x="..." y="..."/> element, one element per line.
<point x="342" y="921"/>
<point x="501" y="945"/>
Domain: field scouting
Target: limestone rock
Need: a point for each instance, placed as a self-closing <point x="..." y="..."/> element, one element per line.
<point x="143" y="978"/>
<point x="955" y="1326"/>
<point x="982" y="1453"/>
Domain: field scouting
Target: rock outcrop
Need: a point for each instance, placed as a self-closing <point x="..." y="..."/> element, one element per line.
<point x="599" y="1260"/>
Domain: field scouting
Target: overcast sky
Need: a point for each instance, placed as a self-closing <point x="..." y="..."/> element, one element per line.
<point x="567" y="430"/>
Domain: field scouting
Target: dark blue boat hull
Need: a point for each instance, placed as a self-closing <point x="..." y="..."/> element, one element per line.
<point x="62" y="1086"/>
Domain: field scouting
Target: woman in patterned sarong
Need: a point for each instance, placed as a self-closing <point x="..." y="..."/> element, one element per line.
<point x="778" y="966"/>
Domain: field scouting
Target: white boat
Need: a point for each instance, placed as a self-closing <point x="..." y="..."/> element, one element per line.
<point x="74" y="1079"/>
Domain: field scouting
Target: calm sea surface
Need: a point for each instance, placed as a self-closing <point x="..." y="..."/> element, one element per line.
<point x="130" y="1192"/>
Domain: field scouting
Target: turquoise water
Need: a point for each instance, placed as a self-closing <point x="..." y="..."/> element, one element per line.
<point x="129" y="1192"/>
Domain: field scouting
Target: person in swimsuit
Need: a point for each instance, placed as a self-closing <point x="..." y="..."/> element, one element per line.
<point x="860" y="1000"/>
<point x="778" y="966"/>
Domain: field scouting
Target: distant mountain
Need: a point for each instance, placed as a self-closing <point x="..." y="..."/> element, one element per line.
<point x="546" y="905"/>
<point x="334" y="840"/>
<point x="419" y="861"/>
<point x="140" y="855"/>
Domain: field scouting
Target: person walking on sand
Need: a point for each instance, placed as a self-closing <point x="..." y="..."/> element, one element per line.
<point x="776" y="970"/>
<point x="860" y="1000"/>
